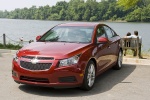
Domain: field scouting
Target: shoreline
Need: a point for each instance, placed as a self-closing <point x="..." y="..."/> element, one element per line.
<point x="117" y="21"/>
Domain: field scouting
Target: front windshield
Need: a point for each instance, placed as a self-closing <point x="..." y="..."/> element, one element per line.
<point x="80" y="34"/>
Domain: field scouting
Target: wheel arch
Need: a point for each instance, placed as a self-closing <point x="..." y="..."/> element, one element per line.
<point x="93" y="59"/>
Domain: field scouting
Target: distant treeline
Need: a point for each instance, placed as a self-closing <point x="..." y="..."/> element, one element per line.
<point x="80" y="10"/>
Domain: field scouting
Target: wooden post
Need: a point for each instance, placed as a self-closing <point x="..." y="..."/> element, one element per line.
<point x="4" y="40"/>
<point x="137" y="46"/>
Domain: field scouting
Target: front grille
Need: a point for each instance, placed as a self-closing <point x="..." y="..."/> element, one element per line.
<point x="45" y="58"/>
<point x="32" y="79"/>
<point x="39" y="58"/>
<point x="28" y="57"/>
<point x="37" y="66"/>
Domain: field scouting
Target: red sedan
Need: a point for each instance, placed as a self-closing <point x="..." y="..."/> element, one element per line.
<point x="68" y="55"/>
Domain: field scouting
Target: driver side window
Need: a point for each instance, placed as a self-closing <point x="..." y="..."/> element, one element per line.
<point x="108" y="32"/>
<point x="100" y="32"/>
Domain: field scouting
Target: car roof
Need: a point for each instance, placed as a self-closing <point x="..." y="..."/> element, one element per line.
<point x="79" y="24"/>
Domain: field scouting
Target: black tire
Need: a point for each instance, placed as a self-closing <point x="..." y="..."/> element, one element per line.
<point x="119" y="61"/>
<point x="89" y="76"/>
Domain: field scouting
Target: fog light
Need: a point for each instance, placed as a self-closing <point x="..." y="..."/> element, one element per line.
<point x="14" y="73"/>
<point x="68" y="79"/>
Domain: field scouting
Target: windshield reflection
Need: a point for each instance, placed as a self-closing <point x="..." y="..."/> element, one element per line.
<point x="79" y="34"/>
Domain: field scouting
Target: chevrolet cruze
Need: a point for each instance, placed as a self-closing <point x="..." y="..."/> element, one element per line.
<point x="68" y="55"/>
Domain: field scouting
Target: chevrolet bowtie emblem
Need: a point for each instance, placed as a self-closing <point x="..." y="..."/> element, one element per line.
<point x="34" y="60"/>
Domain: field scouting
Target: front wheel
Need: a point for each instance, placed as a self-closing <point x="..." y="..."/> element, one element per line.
<point x="89" y="76"/>
<point x="119" y="61"/>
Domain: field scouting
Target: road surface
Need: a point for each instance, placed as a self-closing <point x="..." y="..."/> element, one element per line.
<point x="132" y="82"/>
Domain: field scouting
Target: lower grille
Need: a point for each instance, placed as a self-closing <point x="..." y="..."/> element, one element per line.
<point x="37" y="66"/>
<point x="32" y="79"/>
<point x="68" y="79"/>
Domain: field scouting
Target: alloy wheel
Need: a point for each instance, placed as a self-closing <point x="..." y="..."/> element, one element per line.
<point x="120" y="58"/>
<point x="91" y="75"/>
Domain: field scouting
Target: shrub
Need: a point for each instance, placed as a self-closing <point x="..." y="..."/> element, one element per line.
<point x="10" y="46"/>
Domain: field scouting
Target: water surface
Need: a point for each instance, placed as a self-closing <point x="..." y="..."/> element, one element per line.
<point x="29" y="29"/>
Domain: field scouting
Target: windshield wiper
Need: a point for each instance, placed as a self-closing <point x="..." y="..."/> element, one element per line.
<point x="55" y="39"/>
<point x="67" y="41"/>
<point x="62" y="41"/>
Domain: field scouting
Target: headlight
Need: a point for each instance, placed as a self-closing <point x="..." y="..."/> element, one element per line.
<point x="69" y="61"/>
<point x="15" y="57"/>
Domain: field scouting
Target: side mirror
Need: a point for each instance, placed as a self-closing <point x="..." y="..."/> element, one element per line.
<point x="38" y="37"/>
<point x="102" y="40"/>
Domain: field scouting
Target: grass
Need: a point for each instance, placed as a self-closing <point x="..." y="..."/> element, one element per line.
<point x="145" y="53"/>
<point x="10" y="46"/>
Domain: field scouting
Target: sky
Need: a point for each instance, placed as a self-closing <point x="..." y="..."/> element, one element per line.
<point x="13" y="4"/>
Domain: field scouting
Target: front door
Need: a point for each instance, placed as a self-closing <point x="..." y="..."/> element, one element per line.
<point x="103" y="50"/>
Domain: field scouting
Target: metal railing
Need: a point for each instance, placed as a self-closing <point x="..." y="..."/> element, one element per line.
<point x="7" y="40"/>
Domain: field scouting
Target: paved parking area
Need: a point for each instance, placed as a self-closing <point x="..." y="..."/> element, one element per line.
<point x="132" y="82"/>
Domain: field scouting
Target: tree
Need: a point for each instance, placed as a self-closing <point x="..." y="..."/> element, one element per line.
<point x="134" y="16"/>
<point x="145" y="15"/>
<point x="127" y="4"/>
<point x="93" y="18"/>
<point x="87" y="10"/>
<point x="91" y="8"/>
<point x="54" y="16"/>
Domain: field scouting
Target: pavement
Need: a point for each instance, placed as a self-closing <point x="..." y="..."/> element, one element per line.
<point x="8" y="51"/>
<point x="136" y="61"/>
<point x="132" y="82"/>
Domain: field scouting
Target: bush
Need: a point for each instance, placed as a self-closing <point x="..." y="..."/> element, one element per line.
<point x="134" y="16"/>
<point x="94" y="18"/>
<point x="10" y="46"/>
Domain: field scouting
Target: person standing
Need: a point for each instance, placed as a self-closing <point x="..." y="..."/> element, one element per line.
<point x="140" y="42"/>
<point x="21" y="41"/>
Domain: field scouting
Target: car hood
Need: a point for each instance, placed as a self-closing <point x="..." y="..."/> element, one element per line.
<point x="58" y="50"/>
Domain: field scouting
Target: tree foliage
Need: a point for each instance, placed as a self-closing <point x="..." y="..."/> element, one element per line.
<point x="85" y="10"/>
<point x="126" y="4"/>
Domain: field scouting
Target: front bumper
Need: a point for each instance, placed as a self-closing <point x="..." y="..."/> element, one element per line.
<point x="69" y="76"/>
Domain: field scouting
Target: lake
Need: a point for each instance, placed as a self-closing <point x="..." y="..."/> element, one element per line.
<point x="29" y="29"/>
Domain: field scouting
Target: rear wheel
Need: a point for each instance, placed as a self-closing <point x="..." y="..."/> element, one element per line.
<point x="89" y="76"/>
<point x="119" y="61"/>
